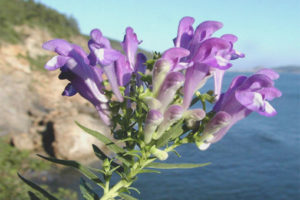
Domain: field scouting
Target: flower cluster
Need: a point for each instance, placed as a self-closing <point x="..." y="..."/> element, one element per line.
<point x="180" y="71"/>
<point x="146" y="103"/>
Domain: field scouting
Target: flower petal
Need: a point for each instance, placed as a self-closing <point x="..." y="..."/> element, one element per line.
<point x="255" y="102"/>
<point x="140" y="66"/>
<point x="69" y="90"/>
<point x="173" y="55"/>
<point x="270" y="93"/>
<point x="106" y="56"/>
<point x="130" y="45"/>
<point x="56" y="62"/>
<point x="110" y="72"/>
<point x="98" y="38"/>
<point x="218" y="79"/>
<point x="230" y="38"/>
<point x="60" y="46"/>
<point x="269" y="73"/>
<point x="185" y="32"/>
<point x="193" y="77"/>
<point x="210" y="47"/>
<point x="123" y="71"/>
<point x="206" y="29"/>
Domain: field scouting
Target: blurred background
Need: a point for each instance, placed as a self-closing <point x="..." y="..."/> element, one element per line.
<point x="258" y="159"/>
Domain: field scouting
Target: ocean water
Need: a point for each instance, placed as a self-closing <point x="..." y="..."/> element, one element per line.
<point x="259" y="158"/>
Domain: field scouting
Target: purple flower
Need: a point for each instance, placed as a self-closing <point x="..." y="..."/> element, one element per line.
<point x="85" y="79"/>
<point x="220" y="120"/>
<point x="131" y="62"/>
<point x="245" y="95"/>
<point x="169" y="62"/>
<point x="195" y="78"/>
<point x="168" y="89"/>
<point x="105" y="56"/>
<point x="172" y="114"/>
<point x="213" y="52"/>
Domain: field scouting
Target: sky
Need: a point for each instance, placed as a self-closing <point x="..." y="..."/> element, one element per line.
<point x="268" y="30"/>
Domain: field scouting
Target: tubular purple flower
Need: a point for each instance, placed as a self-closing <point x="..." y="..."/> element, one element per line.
<point x="161" y="69"/>
<point x="174" y="55"/>
<point x="130" y="46"/>
<point x="168" y="89"/>
<point x="185" y="32"/>
<point x="195" y="78"/>
<point x="140" y="67"/>
<point x="215" y="52"/>
<point x="203" y="32"/>
<point x="172" y="115"/>
<point x="170" y="61"/>
<point x="246" y="95"/>
<point x="154" y="118"/>
<point x="85" y="79"/>
<point x="132" y="62"/>
<point x="105" y="56"/>
<point x="220" y="120"/>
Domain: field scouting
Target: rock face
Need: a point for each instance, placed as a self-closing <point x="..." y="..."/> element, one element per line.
<point x="32" y="110"/>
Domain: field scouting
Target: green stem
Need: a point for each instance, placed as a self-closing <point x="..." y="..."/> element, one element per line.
<point x="111" y="193"/>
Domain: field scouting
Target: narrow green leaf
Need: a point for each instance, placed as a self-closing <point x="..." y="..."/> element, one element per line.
<point x="71" y="163"/>
<point x="175" y="130"/>
<point x="37" y="188"/>
<point x="101" y="155"/>
<point x="33" y="196"/>
<point x="135" y="189"/>
<point x="157" y="165"/>
<point x="127" y="196"/>
<point x="177" y="154"/>
<point x="86" y="191"/>
<point x="110" y="144"/>
<point x="149" y="171"/>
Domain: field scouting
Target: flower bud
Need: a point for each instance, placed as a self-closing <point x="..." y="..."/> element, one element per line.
<point x="167" y="91"/>
<point x="161" y="69"/>
<point x="193" y="116"/>
<point x="154" y="118"/>
<point x="173" y="114"/>
<point x="160" y="154"/>
<point x="220" y="120"/>
<point x="152" y="103"/>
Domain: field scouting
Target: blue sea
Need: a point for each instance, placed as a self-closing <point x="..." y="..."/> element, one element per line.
<point x="258" y="159"/>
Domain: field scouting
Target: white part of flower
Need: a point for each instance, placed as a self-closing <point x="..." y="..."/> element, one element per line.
<point x="71" y="63"/>
<point x="268" y="108"/>
<point x="52" y="62"/>
<point x="210" y="138"/>
<point x="92" y="85"/>
<point x="100" y="54"/>
<point x="258" y="101"/>
<point x="203" y="146"/>
<point x="221" y="61"/>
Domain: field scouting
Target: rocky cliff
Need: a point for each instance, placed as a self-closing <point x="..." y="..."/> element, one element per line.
<point x="32" y="110"/>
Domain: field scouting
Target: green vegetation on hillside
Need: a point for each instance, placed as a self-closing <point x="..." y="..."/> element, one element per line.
<point x="21" y="12"/>
<point x="13" y="161"/>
